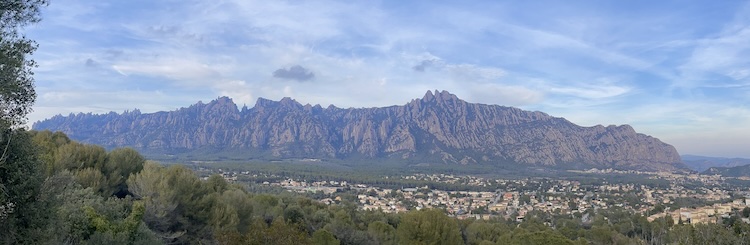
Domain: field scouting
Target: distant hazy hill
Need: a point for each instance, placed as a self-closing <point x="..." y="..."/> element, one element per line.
<point x="439" y="128"/>
<point x="702" y="163"/>
<point x="737" y="171"/>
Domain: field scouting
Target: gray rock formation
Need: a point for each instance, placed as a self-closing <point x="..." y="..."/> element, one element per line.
<point x="439" y="128"/>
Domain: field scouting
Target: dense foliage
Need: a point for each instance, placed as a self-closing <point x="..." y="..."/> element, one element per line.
<point x="21" y="212"/>
<point x="16" y="78"/>
<point x="81" y="194"/>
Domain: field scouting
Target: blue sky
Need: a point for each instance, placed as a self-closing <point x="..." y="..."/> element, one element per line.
<point x="676" y="70"/>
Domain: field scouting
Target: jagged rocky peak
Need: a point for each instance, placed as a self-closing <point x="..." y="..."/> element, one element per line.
<point x="289" y="102"/>
<point x="222" y="102"/>
<point x="439" y="96"/>
<point x="312" y="108"/>
<point x="625" y="128"/>
<point x="428" y="96"/>
<point x="263" y="103"/>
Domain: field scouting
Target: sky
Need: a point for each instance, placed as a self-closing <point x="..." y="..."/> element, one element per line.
<point x="675" y="70"/>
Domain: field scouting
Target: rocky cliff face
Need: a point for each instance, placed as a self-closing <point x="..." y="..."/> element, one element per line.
<point x="439" y="127"/>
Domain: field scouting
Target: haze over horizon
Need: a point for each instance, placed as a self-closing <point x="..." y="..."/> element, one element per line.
<point x="673" y="71"/>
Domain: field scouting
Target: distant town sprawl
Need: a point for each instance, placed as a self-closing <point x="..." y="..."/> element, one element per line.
<point x="686" y="198"/>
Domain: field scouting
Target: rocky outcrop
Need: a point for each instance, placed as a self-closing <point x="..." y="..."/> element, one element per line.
<point x="438" y="127"/>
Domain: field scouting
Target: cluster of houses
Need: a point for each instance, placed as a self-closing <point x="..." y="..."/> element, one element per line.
<point x="520" y="196"/>
<point x="703" y="215"/>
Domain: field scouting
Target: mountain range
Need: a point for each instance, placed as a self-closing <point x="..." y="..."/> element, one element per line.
<point x="735" y="171"/>
<point x="703" y="163"/>
<point x="439" y="128"/>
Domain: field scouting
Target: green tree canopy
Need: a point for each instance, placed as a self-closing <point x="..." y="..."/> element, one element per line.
<point x="16" y="82"/>
<point x="430" y="226"/>
<point x="20" y="183"/>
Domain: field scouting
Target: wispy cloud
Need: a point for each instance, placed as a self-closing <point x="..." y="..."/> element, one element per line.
<point x="721" y="58"/>
<point x="240" y="91"/>
<point x="181" y="70"/>
<point x="504" y="94"/>
<point x="592" y="92"/>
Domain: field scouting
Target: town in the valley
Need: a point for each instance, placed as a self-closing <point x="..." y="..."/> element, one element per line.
<point x="685" y="198"/>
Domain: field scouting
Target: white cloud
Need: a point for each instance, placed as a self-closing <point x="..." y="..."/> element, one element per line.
<point x="240" y="92"/>
<point x="474" y="72"/>
<point x="739" y="74"/>
<point x="592" y="92"/>
<point x="724" y="55"/>
<point x="503" y="95"/>
<point x="170" y="68"/>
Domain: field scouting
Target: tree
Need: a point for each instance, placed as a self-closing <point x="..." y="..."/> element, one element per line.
<point x="20" y="173"/>
<point x="714" y="234"/>
<point x="120" y="164"/>
<point x="159" y="201"/>
<point x="382" y="232"/>
<point x="126" y="230"/>
<point x="344" y="227"/>
<point x="480" y="230"/>
<point x="573" y="205"/>
<point x="16" y="82"/>
<point x="428" y="226"/>
<point x="279" y="232"/>
<point x="324" y="237"/>
<point x="76" y="156"/>
<point x="48" y="143"/>
<point x="91" y="178"/>
<point x="540" y="238"/>
<point x="20" y="183"/>
<point x="682" y="234"/>
<point x="294" y="214"/>
<point x="93" y="166"/>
